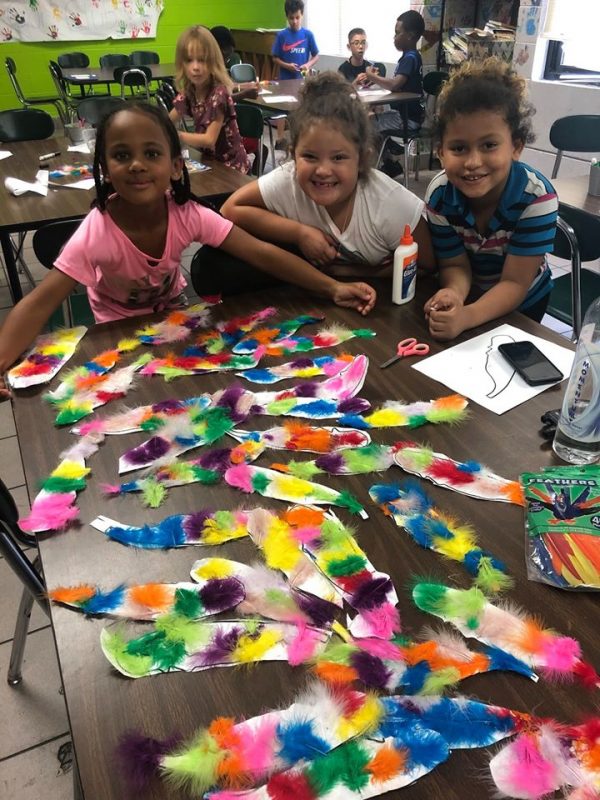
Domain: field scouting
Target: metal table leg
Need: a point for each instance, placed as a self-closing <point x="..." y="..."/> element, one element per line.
<point x="11" y="267"/>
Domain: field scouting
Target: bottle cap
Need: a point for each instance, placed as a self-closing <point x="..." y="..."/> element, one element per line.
<point x="407" y="236"/>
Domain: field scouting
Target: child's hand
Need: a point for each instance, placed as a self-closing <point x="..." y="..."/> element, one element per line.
<point x="443" y="299"/>
<point x="5" y="390"/>
<point x="358" y="295"/>
<point x="318" y="247"/>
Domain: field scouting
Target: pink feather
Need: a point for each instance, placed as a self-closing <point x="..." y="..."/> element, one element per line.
<point x="520" y="770"/>
<point x="50" y="512"/>
<point x="93" y="426"/>
<point x="256" y="745"/>
<point x="382" y="621"/>
<point x="560" y="654"/>
<point x="111" y="489"/>
<point x="306" y="534"/>
<point x="379" y="648"/>
<point x="302" y="647"/>
<point x="240" y="477"/>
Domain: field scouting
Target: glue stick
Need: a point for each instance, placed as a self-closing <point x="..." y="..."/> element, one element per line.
<point x="405" y="269"/>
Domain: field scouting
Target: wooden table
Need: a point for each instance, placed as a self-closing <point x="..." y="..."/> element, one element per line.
<point x="292" y="87"/>
<point x="84" y="76"/>
<point x="102" y="705"/>
<point x="574" y="192"/>
<point x="30" y="211"/>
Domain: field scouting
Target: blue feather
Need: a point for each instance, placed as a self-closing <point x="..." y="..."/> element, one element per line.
<point x="297" y="742"/>
<point x="465" y="724"/>
<point x="194" y="350"/>
<point x="384" y="492"/>
<point x="317" y="409"/>
<point x="419" y="529"/>
<point x="354" y="421"/>
<point x="258" y="375"/>
<point x="91" y="366"/>
<point x="425" y="747"/>
<point x="414" y="677"/>
<point x="130" y="486"/>
<point x="501" y="660"/>
<point x="168" y="533"/>
<point x="104" y="602"/>
<point x="184" y="441"/>
<point x="439" y="529"/>
<point x="469" y="466"/>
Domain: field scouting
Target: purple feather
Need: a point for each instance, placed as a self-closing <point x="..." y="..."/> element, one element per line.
<point x="219" y="650"/>
<point x="255" y="408"/>
<point x="320" y="612"/>
<point x="193" y="524"/>
<point x="333" y="463"/>
<point x="220" y="594"/>
<point x="139" y="757"/>
<point x="306" y="390"/>
<point x="371" y="594"/>
<point x="301" y="363"/>
<point x="218" y="460"/>
<point x="230" y="399"/>
<point x="371" y="670"/>
<point x="167" y="405"/>
<point x="154" y="448"/>
<point x="354" y="405"/>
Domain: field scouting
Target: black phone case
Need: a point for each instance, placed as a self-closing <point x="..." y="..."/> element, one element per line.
<point x="553" y="374"/>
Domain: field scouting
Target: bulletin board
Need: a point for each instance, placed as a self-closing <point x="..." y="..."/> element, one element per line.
<point x="70" y="20"/>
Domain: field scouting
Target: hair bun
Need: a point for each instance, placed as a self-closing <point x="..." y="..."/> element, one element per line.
<point x="323" y="84"/>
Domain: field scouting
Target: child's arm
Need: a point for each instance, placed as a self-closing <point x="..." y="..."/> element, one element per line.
<point x="311" y="61"/>
<point x="247" y="209"/>
<point x="449" y="317"/>
<point x="208" y="139"/>
<point x="284" y="64"/>
<point x="28" y="317"/>
<point x="291" y="268"/>
<point x="394" y="84"/>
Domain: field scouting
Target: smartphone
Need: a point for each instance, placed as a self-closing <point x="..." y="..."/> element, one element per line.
<point x="530" y="363"/>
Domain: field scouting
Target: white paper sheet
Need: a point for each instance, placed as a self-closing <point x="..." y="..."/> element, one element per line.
<point x="476" y="369"/>
<point x="281" y="98"/>
<point x="79" y="148"/>
<point x="373" y="92"/>
<point x="5" y="154"/>
<point x="18" y="187"/>
<point x="84" y="183"/>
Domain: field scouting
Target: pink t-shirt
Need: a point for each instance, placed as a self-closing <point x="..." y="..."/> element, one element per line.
<point x="121" y="281"/>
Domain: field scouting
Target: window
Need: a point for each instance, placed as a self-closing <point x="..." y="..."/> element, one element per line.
<point x="573" y="53"/>
<point x="330" y="21"/>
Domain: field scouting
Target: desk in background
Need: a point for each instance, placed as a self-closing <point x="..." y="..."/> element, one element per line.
<point x="30" y="211"/>
<point x="574" y="192"/>
<point x="89" y="76"/>
<point x="255" y="48"/>
<point x="103" y="705"/>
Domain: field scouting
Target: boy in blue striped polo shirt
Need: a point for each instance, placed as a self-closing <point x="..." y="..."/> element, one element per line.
<point x="492" y="218"/>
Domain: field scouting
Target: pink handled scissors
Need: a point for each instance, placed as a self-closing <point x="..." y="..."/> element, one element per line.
<point x="405" y="348"/>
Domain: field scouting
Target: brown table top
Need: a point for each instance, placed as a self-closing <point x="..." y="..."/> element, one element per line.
<point x="574" y="192"/>
<point x="85" y="75"/>
<point x="30" y="210"/>
<point x="102" y="705"/>
<point x="292" y="87"/>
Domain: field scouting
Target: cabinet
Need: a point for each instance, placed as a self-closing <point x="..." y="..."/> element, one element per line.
<point x="255" y="48"/>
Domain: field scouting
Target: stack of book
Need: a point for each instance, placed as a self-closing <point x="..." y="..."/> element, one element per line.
<point x="495" y="39"/>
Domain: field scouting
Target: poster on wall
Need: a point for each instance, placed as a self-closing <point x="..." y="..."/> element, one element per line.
<point x="68" y="20"/>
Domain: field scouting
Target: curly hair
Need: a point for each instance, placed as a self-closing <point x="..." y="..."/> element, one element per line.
<point x="329" y="98"/>
<point x="180" y="189"/>
<point x="489" y="85"/>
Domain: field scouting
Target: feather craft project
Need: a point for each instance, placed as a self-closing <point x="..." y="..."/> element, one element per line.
<point x="86" y="376"/>
<point x="178" y="325"/>
<point x="144" y="418"/>
<point x="184" y="645"/>
<point x="49" y="353"/>
<point x="290" y="345"/>
<point x="411" y="508"/>
<point x="507" y="628"/>
<point x="412" y="739"/>
<point x="550" y="758"/>
<point x="267" y="593"/>
<point x="148" y="601"/>
<point x="267" y="335"/>
<point x="228" y="332"/>
<point x="176" y="366"/>
<point x="302" y="367"/>
<point x="426" y="666"/>
<point x="302" y="437"/>
<point x="54" y="506"/>
<point x="240" y="755"/>
<point x="393" y="414"/>
<point x="79" y="403"/>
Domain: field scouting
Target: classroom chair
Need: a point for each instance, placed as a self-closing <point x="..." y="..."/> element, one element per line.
<point x="12" y="540"/>
<point x="134" y="77"/>
<point x="112" y="60"/>
<point x="73" y="60"/>
<point x="26" y="101"/>
<point x="579" y="133"/>
<point x="47" y="243"/>
<point x="165" y="95"/>
<point x="251" y="125"/>
<point x="143" y="57"/>
<point x="62" y="87"/>
<point x="432" y="84"/>
<point x="577" y="239"/>
<point x="94" y="109"/>
<point x="245" y="73"/>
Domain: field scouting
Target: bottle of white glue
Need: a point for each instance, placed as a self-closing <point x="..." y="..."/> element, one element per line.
<point x="405" y="269"/>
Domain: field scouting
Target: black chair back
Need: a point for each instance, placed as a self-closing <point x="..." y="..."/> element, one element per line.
<point x="114" y="60"/>
<point x="73" y="60"/>
<point x="165" y="95"/>
<point x="21" y="124"/>
<point x="94" y="109"/>
<point x="133" y="76"/>
<point x="50" y="239"/>
<point x="380" y="67"/>
<point x="141" y="57"/>
<point x="250" y="120"/>
<point x="587" y="231"/>
<point x="433" y="82"/>
<point x="579" y="133"/>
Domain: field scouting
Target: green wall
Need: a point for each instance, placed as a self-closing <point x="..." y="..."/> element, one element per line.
<point x="32" y="58"/>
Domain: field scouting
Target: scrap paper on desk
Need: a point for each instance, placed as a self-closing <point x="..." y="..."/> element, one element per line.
<point x="477" y="370"/>
<point x="280" y="98"/>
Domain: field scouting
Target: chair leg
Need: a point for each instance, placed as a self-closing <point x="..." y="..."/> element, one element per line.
<point x="381" y="151"/>
<point x="17" y="652"/>
<point x="417" y="159"/>
<point x="23" y="267"/>
<point x="406" y="162"/>
<point x="271" y="144"/>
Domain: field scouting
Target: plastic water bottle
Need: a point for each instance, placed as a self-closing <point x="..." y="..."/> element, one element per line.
<point x="577" y="438"/>
<point x="405" y="269"/>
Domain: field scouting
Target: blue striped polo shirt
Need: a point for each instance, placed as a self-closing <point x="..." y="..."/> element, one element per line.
<point x="523" y="224"/>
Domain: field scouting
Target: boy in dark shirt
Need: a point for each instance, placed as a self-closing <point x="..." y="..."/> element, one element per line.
<point x="354" y="69"/>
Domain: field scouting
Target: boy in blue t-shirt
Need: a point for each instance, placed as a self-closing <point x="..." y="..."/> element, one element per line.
<point x="294" y="50"/>
<point x="408" y="75"/>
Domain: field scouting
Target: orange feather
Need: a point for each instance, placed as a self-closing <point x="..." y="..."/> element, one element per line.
<point x="301" y="517"/>
<point x="330" y="672"/>
<point x="386" y="764"/>
<point x="108" y="358"/>
<point x="71" y="594"/>
<point x="157" y="596"/>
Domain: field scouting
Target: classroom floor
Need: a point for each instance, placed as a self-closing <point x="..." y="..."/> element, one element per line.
<point x="33" y="723"/>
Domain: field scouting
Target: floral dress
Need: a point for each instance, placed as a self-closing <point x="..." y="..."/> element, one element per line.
<point x="229" y="148"/>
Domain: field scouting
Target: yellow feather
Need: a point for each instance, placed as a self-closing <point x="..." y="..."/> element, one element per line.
<point x="70" y="469"/>
<point x="385" y="418"/>
<point x="213" y="533"/>
<point x="363" y="721"/>
<point x="125" y="345"/>
<point x="250" y="649"/>
<point x="463" y="542"/>
<point x="54" y="349"/>
<point x="214" y="568"/>
<point x="308" y="372"/>
<point x="291" y="486"/>
<point x="280" y="549"/>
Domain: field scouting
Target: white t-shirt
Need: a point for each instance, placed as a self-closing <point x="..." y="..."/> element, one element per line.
<point x="382" y="208"/>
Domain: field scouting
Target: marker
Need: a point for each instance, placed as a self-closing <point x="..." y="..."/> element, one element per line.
<point x="49" y="155"/>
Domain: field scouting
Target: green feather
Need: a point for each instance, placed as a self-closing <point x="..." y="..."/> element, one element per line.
<point x="437" y="415"/>
<point x="346" y="566"/>
<point x="338" y="652"/>
<point x="363" y="333"/>
<point x="145" y="645"/>
<point x="192" y="633"/>
<point x="323" y="493"/>
<point x="152" y="424"/>
<point x="465" y="605"/>
<point x="115" y="647"/>
<point x="218" y="423"/>
<point x="208" y="477"/>
<point x="188" y="603"/>
<point x="416" y="421"/>
<point x="436" y="682"/>
<point x="194" y="767"/>
<point x="57" y="484"/>
<point x="334" y="534"/>
<point x="279" y="407"/>
<point x="260" y="481"/>
<point x="279" y="599"/>
<point x="304" y="469"/>
<point x="490" y="579"/>
<point x="347" y="500"/>
<point x="170" y="373"/>
<point x="153" y="492"/>
<point x="70" y="414"/>
<point x="430" y="597"/>
<point x="346" y="764"/>
<point x="372" y="458"/>
<point x="420" y="458"/>
<point x="168" y="654"/>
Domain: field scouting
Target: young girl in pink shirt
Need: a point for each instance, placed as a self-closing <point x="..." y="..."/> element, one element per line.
<point x="205" y="96"/>
<point x="127" y="251"/>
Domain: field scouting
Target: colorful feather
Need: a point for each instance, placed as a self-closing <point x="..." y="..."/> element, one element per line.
<point x="299" y="368"/>
<point x="301" y="437"/>
<point x="48" y="354"/>
<point x="290" y="345"/>
<point x="265" y="336"/>
<point x="412" y="415"/>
